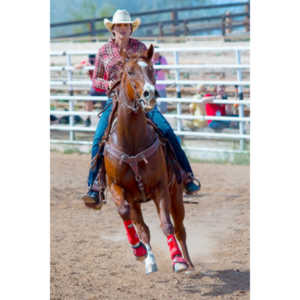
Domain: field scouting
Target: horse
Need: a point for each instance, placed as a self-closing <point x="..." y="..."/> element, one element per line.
<point x="137" y="169"/>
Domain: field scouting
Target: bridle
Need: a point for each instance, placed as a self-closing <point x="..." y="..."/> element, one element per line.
<point x="139" y="102"/>
<point x="134" y="108"/>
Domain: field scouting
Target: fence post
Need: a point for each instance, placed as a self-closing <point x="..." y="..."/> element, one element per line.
<point x="241" y="106"/>
<point x="174" y="18"/>
<point x="228" y="23"/>
<point x="247" y="17"/>
<point x="92" y="30"/>
<point x="186" y="28"/>
<point x="178" y="92"/>
<point x="71" y="92"/>
<point x="223" y="26"/>
<point x="161" y="30"/>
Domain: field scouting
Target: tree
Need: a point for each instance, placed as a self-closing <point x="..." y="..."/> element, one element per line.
<point x="90" y="10"/>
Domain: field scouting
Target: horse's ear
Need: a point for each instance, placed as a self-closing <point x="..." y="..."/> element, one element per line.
<point x="150" y="52"/>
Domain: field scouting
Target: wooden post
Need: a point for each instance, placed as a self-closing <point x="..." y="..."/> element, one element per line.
<point x="223" y="26"/>
<point x="228" y="23"/>
<point x="186" y="28"/>
<point x="161" y="30"/>
<point x="174" y="18"/>
<point x="91" y="25"/>
<point x="247" y="18"/>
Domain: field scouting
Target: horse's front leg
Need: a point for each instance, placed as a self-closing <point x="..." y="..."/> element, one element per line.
<point x="144" y="234"/>
<point x="162" y="202"/>
<point x="139" y="249"/>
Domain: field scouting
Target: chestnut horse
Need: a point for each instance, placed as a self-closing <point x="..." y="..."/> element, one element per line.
<point x="137" y="169"/>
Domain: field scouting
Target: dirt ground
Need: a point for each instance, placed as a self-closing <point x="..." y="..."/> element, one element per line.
<point x="91" y="258"/>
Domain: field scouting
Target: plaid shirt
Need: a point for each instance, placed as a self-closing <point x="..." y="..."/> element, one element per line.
<point x="108" y="62"/>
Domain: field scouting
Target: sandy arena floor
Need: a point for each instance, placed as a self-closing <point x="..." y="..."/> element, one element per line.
<point x="91" y="258"/>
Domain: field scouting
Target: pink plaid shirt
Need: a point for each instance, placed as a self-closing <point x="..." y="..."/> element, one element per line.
<point x="108" y="61"/>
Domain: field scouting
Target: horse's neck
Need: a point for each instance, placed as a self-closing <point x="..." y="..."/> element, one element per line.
<point x="133" y="133"/>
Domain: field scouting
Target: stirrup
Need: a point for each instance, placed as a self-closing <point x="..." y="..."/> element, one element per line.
<point x="191" y="178"/>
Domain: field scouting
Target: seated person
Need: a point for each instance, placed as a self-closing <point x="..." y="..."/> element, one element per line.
<point x="198" y="109"/>
<point x="214" y="109"/>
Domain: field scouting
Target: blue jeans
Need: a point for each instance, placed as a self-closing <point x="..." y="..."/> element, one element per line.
<point x="156" y="118"/>
<point x="163" y="105"/>
<point x="219" y="124"/>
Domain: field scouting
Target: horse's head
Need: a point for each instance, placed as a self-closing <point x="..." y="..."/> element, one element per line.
<point x="138" y="79"/>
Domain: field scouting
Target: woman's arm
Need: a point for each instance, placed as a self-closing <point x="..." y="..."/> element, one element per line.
<point x="98" y="75"/>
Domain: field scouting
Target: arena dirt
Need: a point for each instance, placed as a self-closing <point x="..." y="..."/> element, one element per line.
<point x="91" y="258"/>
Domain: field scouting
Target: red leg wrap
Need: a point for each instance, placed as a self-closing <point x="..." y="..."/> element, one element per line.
<point x="173" y="246"/>
<point x="132" y="236"/>
<point x="140" y="250"/>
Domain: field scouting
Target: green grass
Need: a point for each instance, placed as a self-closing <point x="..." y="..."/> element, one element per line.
<point x="238" y="159"/>
<point x="72" y="151"/>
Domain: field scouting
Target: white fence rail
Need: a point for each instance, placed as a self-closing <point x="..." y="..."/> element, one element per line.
<point x="239" y="135"/>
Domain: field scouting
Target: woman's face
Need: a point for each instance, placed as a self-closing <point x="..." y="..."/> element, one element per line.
<point x="122" y="31"/>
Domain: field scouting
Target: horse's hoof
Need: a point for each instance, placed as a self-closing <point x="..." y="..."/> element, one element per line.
<point x="179" y="264"/>
<point x="151" y="268"/>
<point x="179" y="267"/>
<point x="150" y="263"/>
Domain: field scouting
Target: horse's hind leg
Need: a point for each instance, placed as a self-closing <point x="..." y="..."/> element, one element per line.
<point x="139" y="250"/>
<point x="144" y="235"/>
<point x="177" y="211"/>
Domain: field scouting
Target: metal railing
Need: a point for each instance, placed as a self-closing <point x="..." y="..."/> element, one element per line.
<point x="241" y="135"/>
<point x="170" y="21"/>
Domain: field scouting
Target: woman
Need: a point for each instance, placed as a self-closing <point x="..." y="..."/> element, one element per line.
<point x="198" y="109"/>
<point x="108" y="61"/>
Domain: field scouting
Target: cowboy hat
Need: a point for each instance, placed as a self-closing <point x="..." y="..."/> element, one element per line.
<point x="122" y="16"/>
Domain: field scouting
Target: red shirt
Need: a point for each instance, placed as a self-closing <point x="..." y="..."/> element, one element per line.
<point x="213" y="109"/>
<point x="108" y="61"/>
<point x="95" y="88"/>
<point x="90" y="72"/>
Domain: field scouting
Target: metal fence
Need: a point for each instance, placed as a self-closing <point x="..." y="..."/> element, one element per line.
<point x="238" y="135"/>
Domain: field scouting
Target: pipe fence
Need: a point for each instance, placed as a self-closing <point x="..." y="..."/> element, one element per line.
<point x="180" y="130"/>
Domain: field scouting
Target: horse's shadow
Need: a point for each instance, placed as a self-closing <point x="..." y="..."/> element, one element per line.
<point x="232" y="281"/>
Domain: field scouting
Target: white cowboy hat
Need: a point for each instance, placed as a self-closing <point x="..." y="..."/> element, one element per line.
<point x="122" y="16"/>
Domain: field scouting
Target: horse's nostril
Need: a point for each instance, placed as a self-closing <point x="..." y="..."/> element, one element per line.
<point x="146" y="94"/>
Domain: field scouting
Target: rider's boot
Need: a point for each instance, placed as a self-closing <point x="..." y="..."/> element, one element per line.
<point x="192" y="185"/>
<point x="95" y="196"/>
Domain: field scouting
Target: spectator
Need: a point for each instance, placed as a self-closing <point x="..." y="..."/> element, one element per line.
<point x="160" y="75"/>
<point x="198" y="109"/>
<point x="214" y="109"/>
<point x="93" y="91"/>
